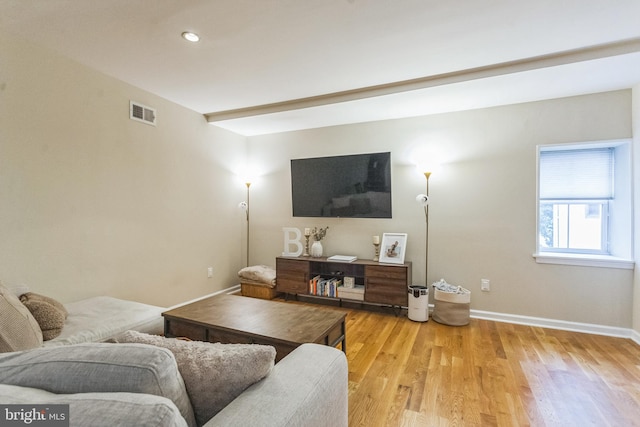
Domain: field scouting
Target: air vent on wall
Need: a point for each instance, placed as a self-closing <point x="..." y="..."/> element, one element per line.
<point x="142" y="113"/>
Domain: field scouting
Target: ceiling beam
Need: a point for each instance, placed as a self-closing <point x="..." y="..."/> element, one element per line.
<point x="544" y="61"/>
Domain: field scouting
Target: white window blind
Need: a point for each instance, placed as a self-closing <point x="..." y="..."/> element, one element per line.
<point x="576" y="174"/>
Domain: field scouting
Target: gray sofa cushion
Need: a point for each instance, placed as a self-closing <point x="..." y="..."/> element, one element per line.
<point x="99" y="367"/>
<point x="308" y="387"/>
<point x="102" y="409"/>
<point x="214" y="373"/>
<point x="98" y="319"/>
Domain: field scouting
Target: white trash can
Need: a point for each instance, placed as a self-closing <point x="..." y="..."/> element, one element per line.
<point x="418" y="303"/>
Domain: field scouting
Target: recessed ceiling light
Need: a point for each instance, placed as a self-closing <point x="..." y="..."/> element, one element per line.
<point x="192" y="37"/>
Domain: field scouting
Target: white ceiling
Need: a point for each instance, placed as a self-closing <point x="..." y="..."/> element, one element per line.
<point x="257" y="52"/>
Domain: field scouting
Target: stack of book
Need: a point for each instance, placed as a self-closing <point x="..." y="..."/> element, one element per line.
<point x="324" y="287"/>
<point x="342" y="258"/>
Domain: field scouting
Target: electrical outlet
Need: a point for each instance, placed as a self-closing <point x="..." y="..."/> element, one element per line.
<point x="485" y="285"/>
<point x="210" y="272"/>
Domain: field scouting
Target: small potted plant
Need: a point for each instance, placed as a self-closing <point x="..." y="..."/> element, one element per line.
<point x="318" y="234"/>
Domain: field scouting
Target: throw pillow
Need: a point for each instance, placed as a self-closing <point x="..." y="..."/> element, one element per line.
<point x="258" y="273"/>
<point x="37" y="297"/>
<point x="49" y="313"/>
<point x="18" y="328"/>
<point x="214" y="374"/>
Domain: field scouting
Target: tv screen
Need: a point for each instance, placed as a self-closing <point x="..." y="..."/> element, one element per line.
<point x="352" y="186"/>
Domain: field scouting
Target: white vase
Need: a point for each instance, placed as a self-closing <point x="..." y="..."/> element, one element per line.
<point x="316" y="249"/>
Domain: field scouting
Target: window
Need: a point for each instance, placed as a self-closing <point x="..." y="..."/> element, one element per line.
<point x="575" y="189"/>
<point x="584" y="201"/>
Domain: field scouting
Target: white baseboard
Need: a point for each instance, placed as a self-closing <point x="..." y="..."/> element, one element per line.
<point x="588" y="328"/>
<point x="229" y="290"/>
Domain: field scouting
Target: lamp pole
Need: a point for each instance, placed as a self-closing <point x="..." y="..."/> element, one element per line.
<point x="248" y="184"/>
<point x="426" y="235"/>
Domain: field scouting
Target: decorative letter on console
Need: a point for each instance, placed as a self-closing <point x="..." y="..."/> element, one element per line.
<point x="292" y="240"/>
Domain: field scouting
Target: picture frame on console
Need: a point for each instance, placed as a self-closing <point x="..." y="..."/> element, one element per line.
<point x="393" y="248"/>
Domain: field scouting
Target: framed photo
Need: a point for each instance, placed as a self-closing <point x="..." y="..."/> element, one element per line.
<point x="393" y="248"/>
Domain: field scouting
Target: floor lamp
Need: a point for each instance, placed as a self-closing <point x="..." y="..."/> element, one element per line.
<point x="423" y="199"/>
<point x="245" y="206"/>
<point x="248" y="184"/>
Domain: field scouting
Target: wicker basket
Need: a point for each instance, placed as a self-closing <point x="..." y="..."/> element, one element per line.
<point x="451" y="308"/>
<point x="255" y="289"/>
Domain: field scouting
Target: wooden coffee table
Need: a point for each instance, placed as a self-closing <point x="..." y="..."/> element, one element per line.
<point x="243" y="320"/>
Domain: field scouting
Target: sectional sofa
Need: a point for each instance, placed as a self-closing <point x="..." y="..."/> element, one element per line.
<point x="141" y="379"/>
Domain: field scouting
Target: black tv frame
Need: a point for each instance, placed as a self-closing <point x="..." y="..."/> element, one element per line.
<point x="343" y="186"/>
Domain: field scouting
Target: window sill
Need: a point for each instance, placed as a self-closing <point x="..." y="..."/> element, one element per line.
<point x="584" y="260"/>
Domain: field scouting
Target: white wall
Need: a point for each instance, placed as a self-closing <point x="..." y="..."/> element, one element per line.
<point x="483" y="210"/>
<point x="93" y="203"/>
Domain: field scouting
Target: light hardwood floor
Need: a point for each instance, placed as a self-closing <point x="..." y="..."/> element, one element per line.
<point x="405" y="373"/>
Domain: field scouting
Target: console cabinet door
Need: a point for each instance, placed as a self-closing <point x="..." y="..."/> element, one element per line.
<point x="292" y="276"/>
<point x="386" y="285"/>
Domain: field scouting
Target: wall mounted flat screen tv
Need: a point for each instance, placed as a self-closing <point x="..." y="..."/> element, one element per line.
<point x="351" y="186"/>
